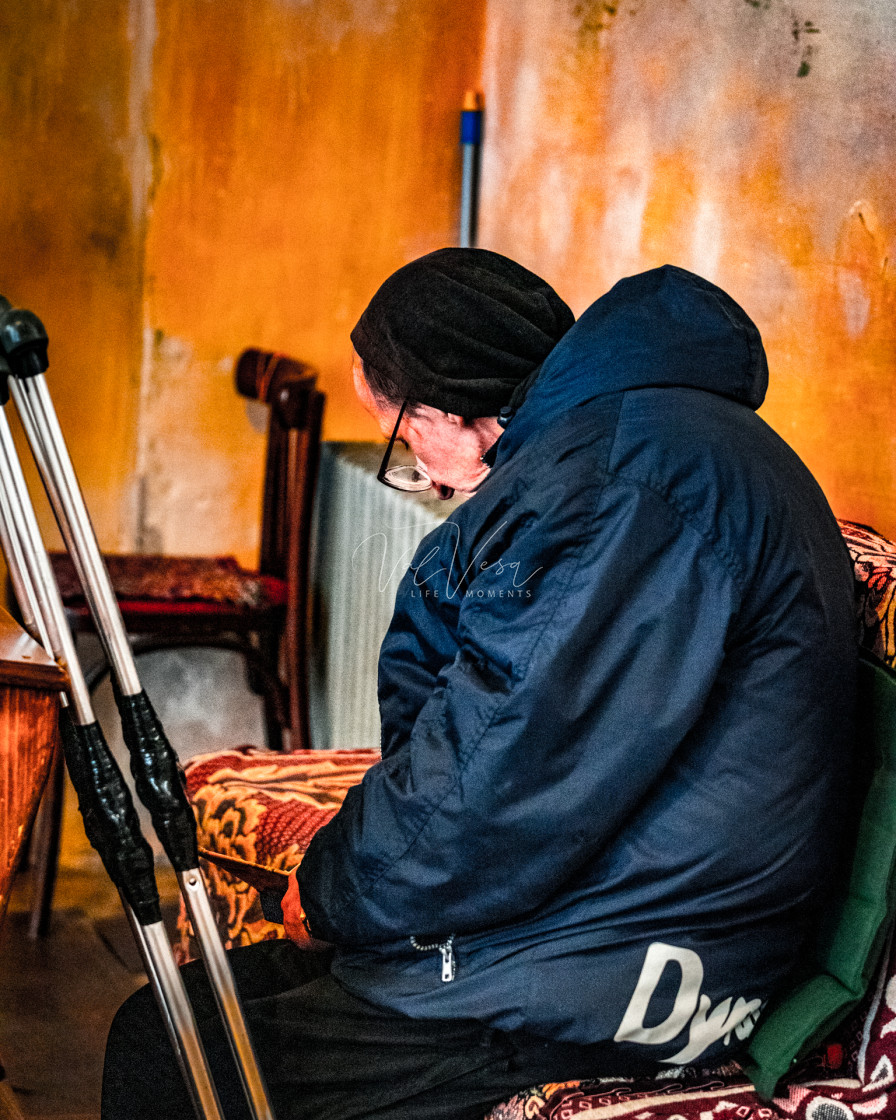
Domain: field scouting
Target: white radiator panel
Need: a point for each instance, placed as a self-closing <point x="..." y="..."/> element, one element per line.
<point x="366" y="535"/>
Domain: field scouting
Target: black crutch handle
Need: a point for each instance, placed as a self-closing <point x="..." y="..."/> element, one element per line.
<point x="110" y="819"/>
<point x="5" y="374"/>
<point x="159" y="778"/>
<point x="23" y="340"/>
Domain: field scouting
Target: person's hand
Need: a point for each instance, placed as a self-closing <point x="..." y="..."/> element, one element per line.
<point x="294" y="922"/>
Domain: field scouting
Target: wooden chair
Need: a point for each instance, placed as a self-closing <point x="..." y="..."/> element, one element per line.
<point x="180" y="602"/>
<point x="172" y="602"/>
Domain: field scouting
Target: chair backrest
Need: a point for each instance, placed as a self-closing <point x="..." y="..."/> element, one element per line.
<point x="288" y="387"/>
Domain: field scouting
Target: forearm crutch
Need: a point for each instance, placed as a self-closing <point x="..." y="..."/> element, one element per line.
<point x="104" y="799"/>
<point x="154" y="765"/>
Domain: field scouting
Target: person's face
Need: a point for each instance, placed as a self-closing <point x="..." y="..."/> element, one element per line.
<point x="446" y="446"/>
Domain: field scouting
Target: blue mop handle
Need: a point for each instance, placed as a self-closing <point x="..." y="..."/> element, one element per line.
<point x="471" y="120"/>
<point x="470" y="143"/>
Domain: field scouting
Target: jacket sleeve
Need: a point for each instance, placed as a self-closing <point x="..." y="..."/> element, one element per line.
<point x="543" y="733"/>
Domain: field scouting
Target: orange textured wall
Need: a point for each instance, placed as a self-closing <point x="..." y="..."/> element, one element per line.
<point x="304" y="151"/>
<point x="71" y="228"/>
<point x="184" y="178"/>
<point x="750" y="141"/>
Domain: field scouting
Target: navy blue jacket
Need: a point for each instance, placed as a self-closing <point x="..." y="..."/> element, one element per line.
<point x="616" y="701"/>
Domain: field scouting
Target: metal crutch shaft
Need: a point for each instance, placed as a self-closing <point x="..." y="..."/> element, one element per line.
<point x="34" y="406"/>
<point x="158" y="779"/>
<point x="112" y="827"/>
<point x="171" y="996"/>
<point x="154" y="764"/>
<point x="23" y="588"/>
<point x="156" y="769"/>
<point x="27" y="548"/>
<point x="109" y="816"/>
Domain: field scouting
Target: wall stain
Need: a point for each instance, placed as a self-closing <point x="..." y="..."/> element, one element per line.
<point x="158" y="166"/>
<point x="862" y="261"/>
<point x="596" y="16"/>
<point x="799" y="30"/>
<point x="105" y="242"/>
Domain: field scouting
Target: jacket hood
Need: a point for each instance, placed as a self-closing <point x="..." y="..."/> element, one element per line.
<point x="665" y="327"/>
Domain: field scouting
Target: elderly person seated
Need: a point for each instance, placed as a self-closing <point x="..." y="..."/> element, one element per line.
<point x="616" y="701"/>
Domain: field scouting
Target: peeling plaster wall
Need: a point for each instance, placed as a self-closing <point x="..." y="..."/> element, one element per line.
<point x="185" y="178"/>
<point x="752" y="141"/>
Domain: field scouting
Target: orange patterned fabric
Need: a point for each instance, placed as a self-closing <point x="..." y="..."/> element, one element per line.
<point x="266" y="807"/>
<point x="874" y="563"/>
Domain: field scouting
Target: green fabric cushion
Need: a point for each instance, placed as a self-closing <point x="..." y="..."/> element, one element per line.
<point x="848" y="949"/>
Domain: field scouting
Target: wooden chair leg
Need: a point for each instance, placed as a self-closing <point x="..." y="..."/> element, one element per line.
<point x="45" y="849"/>
<point x="264" y="680"/>
<point x="273" y="730"/>
<point x="296" y="673"/>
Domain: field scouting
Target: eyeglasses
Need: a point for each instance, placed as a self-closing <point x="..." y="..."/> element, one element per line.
<point x="407" y="476"/>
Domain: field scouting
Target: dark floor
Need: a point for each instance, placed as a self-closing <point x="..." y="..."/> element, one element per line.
<point x="58" y="995"/>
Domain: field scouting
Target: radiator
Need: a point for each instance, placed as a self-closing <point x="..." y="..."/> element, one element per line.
<point x="365" y="537"/>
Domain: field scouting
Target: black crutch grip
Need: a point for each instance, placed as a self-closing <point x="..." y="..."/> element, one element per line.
<point x="110" y="819"/>
<point x="5" y="374"/>
<point x="24" y="342"/>
<point x="159" y="778"/>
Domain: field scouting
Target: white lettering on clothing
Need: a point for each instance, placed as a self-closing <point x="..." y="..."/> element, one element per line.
<point x="690" y="1007"/>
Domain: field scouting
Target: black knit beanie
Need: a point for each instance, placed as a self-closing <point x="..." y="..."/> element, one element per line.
<point x="460" y="329"/>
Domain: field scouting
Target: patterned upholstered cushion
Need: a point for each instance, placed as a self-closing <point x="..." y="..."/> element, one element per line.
<point x="874" y="564"/>
<point x="265" y="807"/>
<point x="188" y="580"/>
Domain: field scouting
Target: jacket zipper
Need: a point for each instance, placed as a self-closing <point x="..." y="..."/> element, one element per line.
<point x="446" y="948"/>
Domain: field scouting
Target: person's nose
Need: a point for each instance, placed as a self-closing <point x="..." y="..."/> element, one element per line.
<point x="443" y="492"/>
